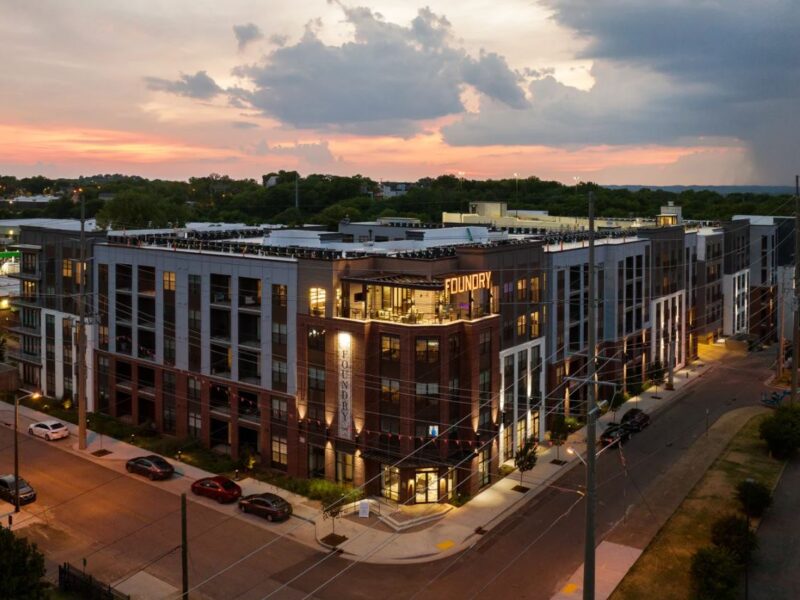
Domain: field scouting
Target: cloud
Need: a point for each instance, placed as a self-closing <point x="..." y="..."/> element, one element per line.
<point x="314" y="155"/>
<point x="388" y="80"/>
<point x="247" y="33"/>
<point x="199" y="85"/>
<point x="677" y="72"/>
<point x="278" y="39"/>
<point x="244" y="125"/>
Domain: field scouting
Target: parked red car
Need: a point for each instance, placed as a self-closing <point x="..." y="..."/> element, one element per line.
<point x="217" y="488"/>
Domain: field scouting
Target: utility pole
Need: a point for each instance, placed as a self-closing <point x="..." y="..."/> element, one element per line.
<point x="781" y="303"/>
<point x="591" y="417"/>
<point x="82" y="330"/>
<point x="16" y="453"/>
<point x="184" y="551"/>
<point x="297" y="190"/>
<point x="796" y="325"/>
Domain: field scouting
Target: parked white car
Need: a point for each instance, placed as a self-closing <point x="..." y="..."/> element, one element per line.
<point x="49" y="430"/>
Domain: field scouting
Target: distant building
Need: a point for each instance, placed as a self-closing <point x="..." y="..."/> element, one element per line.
<point x="393" y="189"/>
<point x="20" y="202"/>
<point x="269" y="181"/>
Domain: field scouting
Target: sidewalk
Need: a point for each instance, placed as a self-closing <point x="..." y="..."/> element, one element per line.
<point x="370" y="540"/>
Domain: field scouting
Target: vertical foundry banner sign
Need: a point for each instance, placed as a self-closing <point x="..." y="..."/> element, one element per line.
<point x="345" y="403"/>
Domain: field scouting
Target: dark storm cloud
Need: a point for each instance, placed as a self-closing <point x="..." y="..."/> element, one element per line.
<point x="199" y="85"/>
<point x="249" y="32"/>
<point x="668" y="72"/>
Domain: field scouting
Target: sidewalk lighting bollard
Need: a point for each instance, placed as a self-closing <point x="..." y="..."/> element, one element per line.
<point x="236" y="475"/>
<point x="133" y="435"/>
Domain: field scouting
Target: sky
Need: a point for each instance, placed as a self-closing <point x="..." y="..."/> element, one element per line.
<point x="610" y="91"/>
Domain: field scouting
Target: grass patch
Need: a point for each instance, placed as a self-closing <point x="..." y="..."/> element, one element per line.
<point x="666" y="562"/>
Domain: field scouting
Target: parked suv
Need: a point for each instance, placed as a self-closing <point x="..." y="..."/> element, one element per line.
<point x="636" y="419"/>
<point x="8" y="490"/>
<point x="151" y="466"/>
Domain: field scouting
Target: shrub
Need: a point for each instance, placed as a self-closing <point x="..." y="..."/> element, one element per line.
<point x="733" y="533"/>
<point x="781" y="431"/>
<point x="572" y="424"/>
<point x="715" y="574"/>
<point x="754" y="497"/>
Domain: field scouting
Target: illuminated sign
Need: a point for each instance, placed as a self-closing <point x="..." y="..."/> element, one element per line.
<point x="468" y="283"/>
<point x="345" y="403"/>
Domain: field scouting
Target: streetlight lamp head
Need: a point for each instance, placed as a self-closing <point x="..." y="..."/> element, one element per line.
<point x="570" y="450"/>
<point x="36" y="395"/>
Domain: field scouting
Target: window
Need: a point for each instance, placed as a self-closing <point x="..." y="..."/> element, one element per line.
<point x="485" y="342"/>
<point x="280" y="454"/>
<point x="279" y="295"/>
<point x="427" y="350"/>
<point x="485" y="384"/>
<point x="66" y="267"/>
<point x="522" y="290"/>
<point x="316" y="379"/>
<point x="316" y="340"/>
<point x="427" y="389"/>
<point x="279" y="333"/>
<point x="279" y="372"/>
<point x="169" y="281"/>
<point x="535" y="330"/>
<point x="390" y="425"/>
<point x="536" y="290"/>
<point x="454" y="341"/>
<point x="344" y="467"/>
<point x="508" y="291"/>
<point x="521" y="326"/>
<point x="316" y="301"/>
<point x="390" y="348"/>
<point x="484" y="463"/>
<point x="279" y="409"/>
<point x="390" y="391"/>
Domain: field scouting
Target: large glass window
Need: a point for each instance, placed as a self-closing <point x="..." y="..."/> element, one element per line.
<point x="390" y="348"/>
<point x="390" y="391"/>
<point x="390" y="483"/>
<point x="344" y="467"/>
<point x="427" y="350"/>
<point x="316" y="301"/>
<point x="279" y="409"/>
<point x="280" y="452"/>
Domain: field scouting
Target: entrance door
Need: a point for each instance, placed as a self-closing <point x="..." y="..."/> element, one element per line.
<point x="427" y="486"/>
<point x="390" y="483"/>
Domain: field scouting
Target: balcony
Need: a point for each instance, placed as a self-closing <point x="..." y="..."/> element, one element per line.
<point x="26" y="275"/>
<point x="24" y="330"/>
<point x="25" y="356"/>
<point x="414" y="300"/>
<point x="27" y="301"/>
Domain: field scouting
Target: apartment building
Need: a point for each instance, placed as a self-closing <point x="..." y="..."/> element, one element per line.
<point x="370" y="364"/>
<point x="47" y="327"/>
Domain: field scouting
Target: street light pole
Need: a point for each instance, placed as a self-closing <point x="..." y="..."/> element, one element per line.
<point x="591" y="416"/>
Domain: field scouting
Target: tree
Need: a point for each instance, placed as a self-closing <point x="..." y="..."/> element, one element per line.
<point x="781" y="431"/>
<point x="21" y="568"/>
<point x="733" y="533"/>
<point x="715" y="574"/>
<point x="2" y="348"/>
<point x="754" y="497"/>
<point x="525" y="458"/>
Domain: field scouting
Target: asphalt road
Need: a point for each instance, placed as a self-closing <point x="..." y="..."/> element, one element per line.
<point x="122" y="525"/>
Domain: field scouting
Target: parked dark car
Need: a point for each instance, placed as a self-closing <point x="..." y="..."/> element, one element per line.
<point x="615" y="433"/>
<point x="636" y="419"/>
<point x="8" y="490"/>
<point x="217" y="488"/>
<point x="268" y="506"/>
<point x="151" y="466"/>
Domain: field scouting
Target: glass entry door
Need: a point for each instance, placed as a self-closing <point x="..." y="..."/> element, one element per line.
<point x="427" y="486"/>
